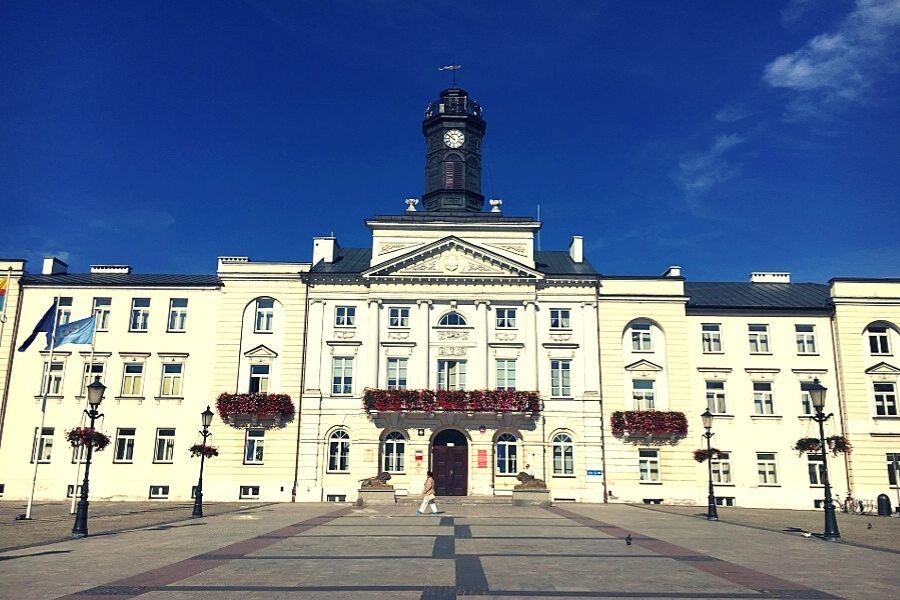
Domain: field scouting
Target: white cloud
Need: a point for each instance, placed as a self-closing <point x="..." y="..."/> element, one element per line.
<point x="702" y="171"/>
<point x="734" y="113"/>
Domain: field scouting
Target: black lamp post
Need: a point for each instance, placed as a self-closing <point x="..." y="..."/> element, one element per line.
<point x="95" y="393"/>
<point x="712" y="514"/>
<point x="206" y="417"/>
<point x="817" y="395"/>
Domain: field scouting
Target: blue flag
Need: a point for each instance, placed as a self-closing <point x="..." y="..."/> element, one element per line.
<point x="45" y="325"/>
<point x="74" y="332"/>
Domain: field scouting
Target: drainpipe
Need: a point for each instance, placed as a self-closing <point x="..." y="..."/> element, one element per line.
<point x="600" y="391"/>
<point x="12" y="354"/>
<point x="302" y="387"/>
<point x="840" y="394"/>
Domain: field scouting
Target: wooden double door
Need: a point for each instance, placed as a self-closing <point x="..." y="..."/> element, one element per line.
<point x="450" y="463"/>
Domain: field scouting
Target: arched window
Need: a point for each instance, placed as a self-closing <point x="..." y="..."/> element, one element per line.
<point x="563" y="454"/>
<point x="392" y="451"/>
<point x="506" y="454"/>
<point x="452" y="319"/>
<point x="339" y="451"/>
<point x="878" y="336"/>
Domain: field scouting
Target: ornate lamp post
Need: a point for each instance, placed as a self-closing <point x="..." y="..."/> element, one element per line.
<point x="95" y="393"/>
<point x="817" y="395"/>
<point x="206" y="416"/>
<point x="712" y="514"/>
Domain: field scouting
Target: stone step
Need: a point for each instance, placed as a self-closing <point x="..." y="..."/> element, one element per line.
<point x="457" y="500"/>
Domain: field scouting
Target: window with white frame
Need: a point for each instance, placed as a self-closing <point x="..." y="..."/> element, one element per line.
<point x="259" y="379"/>
<point x="341" y="375"/>
<point x="893" y="468"/>
<point x="885" y="399"/>
<point x="506" y="318"/>
<point x="451" y="375"/>
<point x="642" y="394"/>
<point x="165" y="446"/>
<point x="172" y="379"/>
<point x="140" y="314"/>
<point x="763" y="401"/>
<point x="560" y="378"/>
<point x="816" y="468"/>
<point x="641" y="340"/>
<point x="159" y="492"/>
<point x="648" y="465"/>
<point x="506" y="452"/>
<point x="452" y="319"/>
<point x="102" y="307"/>
<point x="178" y="313"/>
<point x="254" y="446"/>
<point x="721" y="468"/>
<point x="563" y="454"/>
<point x="766" y="468"/>
<point x="265" y="315"/>
<point x="345" y="316"/>
<point x="393" y="451"/>
<point x="396" y="373"/>
<point x="806" y="338"/>
<point x="249" y="492"/>
<point x="72" y="490"/>
<point x="124" y="445"/>
<point x="711" y="334"/>
<point x="64" y="311"/>
<point x="42" y="446"/>
<point x="759" y="338"/>
<point x="806" y="406"/>
<point x="91" y="371"/>
<point x="133" y="379"/>
<point x="339" y="452"/>
<point x="559" y="318"/>
<point x="398" y="316"/>
<point x="715" y="397"/>
<point x="879" y="339"/>
<point x="53" y="379"/>
<point x="506" y="373"/>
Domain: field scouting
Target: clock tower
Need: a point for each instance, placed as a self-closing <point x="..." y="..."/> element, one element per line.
<point x="453" y="129"/>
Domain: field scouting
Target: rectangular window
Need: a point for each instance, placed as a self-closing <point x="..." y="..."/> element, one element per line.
<point x="806" y="339"/>
<point x="101" y="313"/>
<point x="642" y="394"/>
<point x="71" y="490"/>
<point x="398" y="317"/>
<point x="178" y="312"/>
<point x="559" y="318"/>
<point x="560" y="378"/>
<point x="42" y="446"/>
<point x="649" y="465"/>
<point x="396" y="373"/>
<point x="254" y="446"/>
<point x="133" y="379"/>
<point x="249" y="492"/>
<point x="759" y="339"/>
<point x="893" y="468"/>
<point x="64" y="311"/>
<point x="766" y="468"/>
<point x="715" y="397"/>
<point x="265" y="315"/>
<point x="452" y="375"/>
<point x="165" y="446"/>
<point x="806" y="407"/>
<point x="53" y="381"/>
<point x="79" y="454"/>
<point x="506" y="318"/>
<point x="763" y="402"/>
<point x="172" y="375"/>
<point x="879" y="342"/>
<point x="641" y="341"/>
<point x="159" y="492"/>
<point x="345" y="316"/>
<point x="712" y="337"/>
<point x="885" y="399"/>
<point x="724" y="500"/>
<point x="506" y="374"/>
<point x="90" y="372"/>
<point x="816" y="468"/>
<point x="140" y="314"/>
<point x="124" y="445"/>
<point x="259" y="379"/>
<point x="721" y="468"/>
<point x="342" y="375"/>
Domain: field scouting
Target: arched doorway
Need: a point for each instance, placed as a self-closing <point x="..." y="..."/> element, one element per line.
<point x="450" y="463"/>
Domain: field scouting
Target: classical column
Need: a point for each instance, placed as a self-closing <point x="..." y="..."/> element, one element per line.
<point x="375" y="323"/>
<point x="484" y="307"/>
<point x="425" y="316"/>
<point x="315" y="340"/>
<point x="531" y="340"/>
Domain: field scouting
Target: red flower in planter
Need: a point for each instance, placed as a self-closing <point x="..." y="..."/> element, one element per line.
<point x="202" y="449"/>
<point x="451" y="401"/>
<point x="254" y="408"/>
<point x="87" y="436"/>
<point x="650" y="423"/>
<point x="837" y="444"/>
<point x="702" y="454"/>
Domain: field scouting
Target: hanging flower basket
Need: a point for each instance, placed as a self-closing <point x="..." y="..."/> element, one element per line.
<point x="429" y="401"/>
<point x="203" y="450"/>
<point x="649" y="424"/>
<point x="837" y="444"/>
<point x="255" y="410"/>
<point x="703" y="455"/>
<point x="87" y="436"/>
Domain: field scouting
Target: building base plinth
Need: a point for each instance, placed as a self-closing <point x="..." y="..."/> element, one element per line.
<point x="531" y="498"/>
<point x="375" y="496"/>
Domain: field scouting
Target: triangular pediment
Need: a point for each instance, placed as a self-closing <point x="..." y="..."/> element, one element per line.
<point x="452" y="258"/>
<point x="643" y="365"/>
<point x="261" y="351"/>
<point x="883" y="368"/>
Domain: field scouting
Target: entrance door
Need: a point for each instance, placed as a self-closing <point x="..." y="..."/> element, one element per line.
<point x="450" y="463"/>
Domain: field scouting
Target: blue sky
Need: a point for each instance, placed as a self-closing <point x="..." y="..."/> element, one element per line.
<point x="722" y="136"/>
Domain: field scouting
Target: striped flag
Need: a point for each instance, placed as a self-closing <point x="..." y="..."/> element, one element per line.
<point x="4" y="286"/>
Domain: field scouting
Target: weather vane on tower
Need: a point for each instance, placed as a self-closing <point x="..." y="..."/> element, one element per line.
<point x="453" y="69"/>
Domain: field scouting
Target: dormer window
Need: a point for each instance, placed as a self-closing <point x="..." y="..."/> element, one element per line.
<point x="452" y="319"/>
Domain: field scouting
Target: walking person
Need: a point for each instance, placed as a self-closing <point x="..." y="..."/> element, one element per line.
<point x="428" y="495"/>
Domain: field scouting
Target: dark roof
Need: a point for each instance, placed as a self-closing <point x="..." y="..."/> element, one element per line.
<point x="558" y="262"/>
<point x="347" y="260"/>
<point x="786" y="296"/>
<point x="122" y="280"/>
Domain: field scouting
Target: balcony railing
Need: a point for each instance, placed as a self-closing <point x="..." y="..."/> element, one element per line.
<point x="429" y="401"/>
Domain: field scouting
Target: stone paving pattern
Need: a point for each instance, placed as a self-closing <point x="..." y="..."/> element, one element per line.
<point x="328" y="551"/>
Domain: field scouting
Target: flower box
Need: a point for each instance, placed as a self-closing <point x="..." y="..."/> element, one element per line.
<point x="87" y="436"/>
<point x="430" y="401"/>
<point x="702" y="454"/>
<point x="255" y="410"/>
<point x="203" y="450"/>
<point x="649" y="424"/>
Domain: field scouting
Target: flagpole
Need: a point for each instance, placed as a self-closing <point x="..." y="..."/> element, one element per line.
<point x="83" y="415"/>
<point x="43" y="409"/>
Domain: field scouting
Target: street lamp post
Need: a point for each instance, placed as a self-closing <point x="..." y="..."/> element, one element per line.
<point x="95" y="393"/>
<point x="712" y="514"/>
<point x="206" y="417"/>
<point x="817" y="395"/>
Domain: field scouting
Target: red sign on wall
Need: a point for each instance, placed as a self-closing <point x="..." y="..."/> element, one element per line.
<point x="482" y="459"/>
<point x="419" y="455"/>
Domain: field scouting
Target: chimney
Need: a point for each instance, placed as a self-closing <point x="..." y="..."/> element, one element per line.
<point x="54" y="266"/>
<point x="770" y="277"/>
<point x="122" y="269"/>
<point x="673" y="271"/>
<point x="576" y="249"/>
<point x="324" y="249"/>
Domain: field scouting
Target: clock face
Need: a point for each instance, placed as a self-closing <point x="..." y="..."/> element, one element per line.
<point x="454" y="138"/>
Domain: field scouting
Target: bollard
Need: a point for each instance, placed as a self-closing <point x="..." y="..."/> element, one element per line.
<point x="884" y="505"/>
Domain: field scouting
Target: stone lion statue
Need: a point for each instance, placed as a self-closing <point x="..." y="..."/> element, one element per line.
<point x="530" y="482"/>
<point x="379" y="481"/>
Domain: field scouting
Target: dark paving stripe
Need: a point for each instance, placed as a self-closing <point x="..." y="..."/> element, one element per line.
<point x="462" y="532"/>
<point x="446" y="521"/>
<point x="444" y="547"/>
<point x="470" y="577"/>
<point x="764" y="583"/>
<point x="438" y="593"/>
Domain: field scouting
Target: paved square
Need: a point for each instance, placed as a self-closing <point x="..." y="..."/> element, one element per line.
<point x="327" y="551"/>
